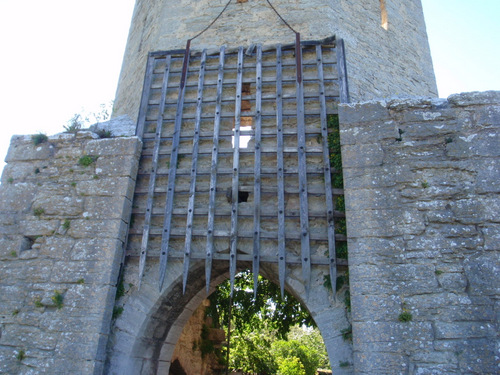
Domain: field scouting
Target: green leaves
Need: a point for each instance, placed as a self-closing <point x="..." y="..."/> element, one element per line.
<point x="268" y="310"/>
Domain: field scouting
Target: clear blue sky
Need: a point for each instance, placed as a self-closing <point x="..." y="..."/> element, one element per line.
<point x="59" y="56"/>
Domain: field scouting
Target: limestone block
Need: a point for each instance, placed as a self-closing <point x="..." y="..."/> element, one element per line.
<point x="93" y="272"/>
<point x="454" y="281"/>
<point x="373" y="307"/>
<point x="489" y="208"/>
<point x="381" y="176"/>
<point x="19" y="171"/>
<point x="38" y="227"/>
<point x="359" y="113"/>
<point x="482" y="273"/>
<point x="117" y="166"/>
<point x="116" y="186"/>
<point x="114" y="146"/>
<point x="491" y="237"/>
<point x="467" y="211"/>
<point x="57" y="247"/>
<point x="361" y="133"/>
<point x="77" y="345"/>
<point x="121" y="126"/>
<point x="384" y="222"/>
<point x="376" y="249"/>
<point x="10" y="244"/>
<point x="460" y="330"/>
<point x="487" y="117"/>
<point x="23" y="149"/>
<point x="488" y="175"/>
<point x="107" y="208"/>
<point x="429" y="122"/>
<point x="478" y="356"/>
<point x="96" y="249"/>
<point x="362" y="156"/>
<point x="371" y="199"/>
<point x="24" y="335"/>
<point x="114" y="228"/>
<point x="17" y="197"/>
<point x="59" y="205"/>
<point x="473" y="145"/>
<point x="474" y="98"/>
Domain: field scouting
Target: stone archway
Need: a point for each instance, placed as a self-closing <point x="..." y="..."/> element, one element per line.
<point x="144" y="336"/>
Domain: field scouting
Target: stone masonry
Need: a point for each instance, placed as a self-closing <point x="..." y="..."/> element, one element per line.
<point x="380" y="62"/>
<point x="62" y="228"/>
<point x="422" y="205"/>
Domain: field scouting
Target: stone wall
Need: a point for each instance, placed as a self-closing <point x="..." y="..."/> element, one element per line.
<point x="422" y="202"/>
<point x="380" y="62"/>
<point x="62" y="228"/>
<point x="191" y="349"/>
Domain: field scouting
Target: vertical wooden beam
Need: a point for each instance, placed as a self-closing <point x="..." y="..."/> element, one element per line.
<point x="154" y="167"/>
<point x="233" y="240"/>
<point x="172" y="171"/>
<point x="213" y="172"/>
<point x="327" y="172"/>
<point x="257" y="165"/>
<point x="342" y="70"/>
<point x="280" y="172"/>
<point x="301" y="150"/>
<point x="194" y="166"/>
<point x="146" y="89"/>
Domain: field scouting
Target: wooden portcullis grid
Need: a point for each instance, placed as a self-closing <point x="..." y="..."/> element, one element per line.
<point x="235" y="164"/>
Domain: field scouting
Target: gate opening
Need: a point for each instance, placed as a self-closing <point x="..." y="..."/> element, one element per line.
<point x="262" y="334"/>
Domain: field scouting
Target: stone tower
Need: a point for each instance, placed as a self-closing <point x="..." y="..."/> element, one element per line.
<point x="386" y="41"/>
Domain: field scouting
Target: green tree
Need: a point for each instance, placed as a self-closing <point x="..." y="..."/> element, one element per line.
<point x="291" y="366"/>
<point x="311" y="338"/>
<point x="294" y="349"/>
<point x="260" y="327"/>
<point x="251" y="352"/>
<point x="268" y="310"/>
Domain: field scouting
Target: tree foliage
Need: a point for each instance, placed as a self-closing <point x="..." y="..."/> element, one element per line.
<point x="268" y="333"/>
<point x="269" y="310"/>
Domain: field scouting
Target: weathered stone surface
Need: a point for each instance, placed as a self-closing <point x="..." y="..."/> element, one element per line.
<point x="423" y="235"/>
<point x="482" y="272"/>
<point x="49" y="242"/>
<point x="113" y="147"/>
<point x="121" y="126"/>
<point x="23" y="149"/>
<point x="380" y="63"/>
<point x="115" y="186"/>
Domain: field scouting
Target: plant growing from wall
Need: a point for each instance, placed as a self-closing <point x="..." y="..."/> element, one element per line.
<point x="338" y="183"/>
<point x="38" y="211"/>
<point x="405" y="315"/>
<point x="347" y="333"/>
<point x="21" y="355"/>
<point x="74" y="124"/>
<point x="87" y="160"/>
<point x="39" y="138"/>
<point x="58" y="299"/>
<point x="66" y="225"/>
<point x="117" y="311"/>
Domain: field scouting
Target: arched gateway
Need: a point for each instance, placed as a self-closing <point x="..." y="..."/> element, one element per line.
<point x="235" y="169"/>
<point x="235" y="174"/>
